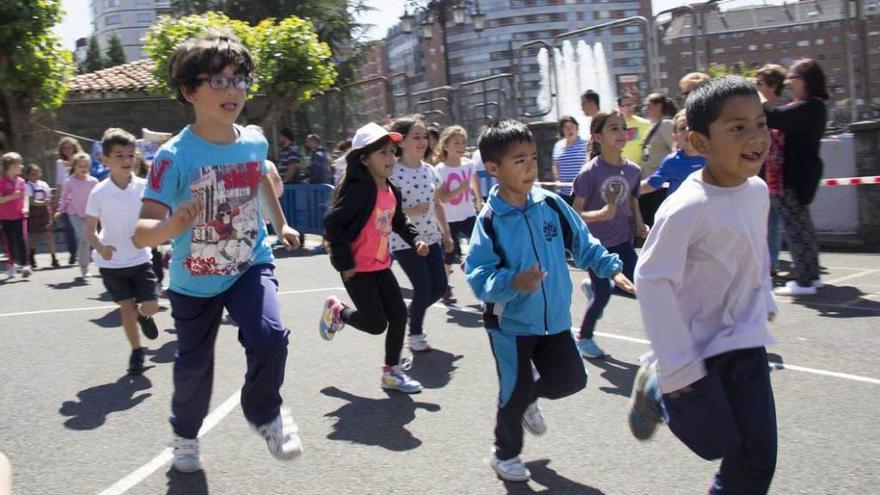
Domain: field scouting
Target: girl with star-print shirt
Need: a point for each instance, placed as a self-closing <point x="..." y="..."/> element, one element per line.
<point x="419" y="183"/>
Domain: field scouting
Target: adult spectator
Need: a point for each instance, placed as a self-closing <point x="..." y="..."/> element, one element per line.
<point x="289" y="158"/>
<point x="690" y="82"/>
<point x="590" y="103"/>
<point x="319" y="161"/>
<point x="339" y="164"/>
<point x="803" y="122"/>
<point x="659" y="109"/>
<point x="637" y="128"/>
<point x="770" y="81"/>
<point x="569" y="155"/>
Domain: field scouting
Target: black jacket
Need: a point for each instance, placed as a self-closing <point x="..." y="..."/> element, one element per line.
<point x="352" y="210"/>
<point x="803" y="123"/>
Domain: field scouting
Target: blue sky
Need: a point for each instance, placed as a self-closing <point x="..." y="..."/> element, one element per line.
<point x="77" y="23"/>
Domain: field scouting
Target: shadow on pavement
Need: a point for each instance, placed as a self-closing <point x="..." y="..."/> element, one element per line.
<point x="551" y="480"/>
<point x="96" y="403"/>
<point x="186" y="483"/>
<point x="378" y="422"/>
<point x="618" y="373"/>
<point x="162" y="355"/>
<point x="840" y="302"/>
<point x="77" y="282"/>
<point x="434" y="369"/>
<point x="110" y="320"/>
<point x="464" y="317"/>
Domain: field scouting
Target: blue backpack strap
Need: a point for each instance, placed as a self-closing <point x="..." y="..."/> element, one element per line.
<point x="567" y="234"/>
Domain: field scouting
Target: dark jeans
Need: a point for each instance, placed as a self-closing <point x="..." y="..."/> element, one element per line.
<point x="561" y="371"/>
<point x="252" y="301"/>
<point x="649" y="203"/>
<point x="730" y="414"/>
<point x="16" y="243"/>
<point x="379" y="305"/>
<point x="457" y="230"/>
<point x="602" y="288"/>
<point x="427" y="274"/>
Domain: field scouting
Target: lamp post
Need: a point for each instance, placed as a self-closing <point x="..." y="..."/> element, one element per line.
<point x="438" y="11"/>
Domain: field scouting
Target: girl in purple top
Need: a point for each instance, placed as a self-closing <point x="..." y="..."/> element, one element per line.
<point x="605" y="195"/>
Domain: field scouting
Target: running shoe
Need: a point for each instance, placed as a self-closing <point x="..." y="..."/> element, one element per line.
<point x="394" y="378"/>
<point x="419" y="343"/>
<point x="282" y="436"/>
<point x="645" y="412"/>
<point x="511" y="470"/>
<point x="148" y="326"/>
<point x="792" y="288"/>
<point x="186" y="454"/>
<point x="331" y="319"/>
<point x="533" y="419"/>
<point x="448" y="298"/>
<point x="589" y="349"/>
<point x="136" y="361"/>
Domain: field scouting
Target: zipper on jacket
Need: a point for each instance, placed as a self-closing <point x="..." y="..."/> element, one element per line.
<point x="543" y="291"/>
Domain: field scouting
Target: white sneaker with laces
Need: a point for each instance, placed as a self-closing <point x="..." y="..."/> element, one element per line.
<point x="394" y="378"/>
<point x="511" y="470"/>
<point x="186" y="454"/>
<point x="419" y="343"/>
<point x="792" y="288"/>
<point x="26" y="271"/>
<point x="533" y="419"/>
<point x="282" y="436"/>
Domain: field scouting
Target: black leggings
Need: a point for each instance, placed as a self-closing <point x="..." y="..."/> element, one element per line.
<point x="379" y="304"/>
<point x="15" y="240"/>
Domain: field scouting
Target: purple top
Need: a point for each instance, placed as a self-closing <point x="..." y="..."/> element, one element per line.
<point x="594" y="182"/>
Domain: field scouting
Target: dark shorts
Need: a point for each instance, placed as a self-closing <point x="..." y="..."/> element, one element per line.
<point x="135" y="282"/>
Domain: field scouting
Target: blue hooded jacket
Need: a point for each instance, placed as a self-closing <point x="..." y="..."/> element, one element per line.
<point x="522" y="237"/>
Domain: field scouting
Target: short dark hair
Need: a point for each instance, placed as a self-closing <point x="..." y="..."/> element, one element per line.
<point x="567" y="118"/>
<point x="497" y="137"/>
<point x="590" y="95"/>
<point x="208" y="54"/>
<point x="814" y="78"/>
<point x="705" y="103"/>
<point x="286" y="132"/>
<point x="115" y="136"/>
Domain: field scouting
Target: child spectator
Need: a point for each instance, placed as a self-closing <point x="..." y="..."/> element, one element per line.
<point x="682" y="162"/>
<point x="517" y="266"/>
<point x="39" y="213"/>
<point x="13" y="214"/>
<point x="127" y="271"/>
<point x="705" y="294"/>
<point x="74" y="197"/>
<point x="67" y="148"/>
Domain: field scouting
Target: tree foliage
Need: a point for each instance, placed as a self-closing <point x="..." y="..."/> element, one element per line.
<point x="115" y="52"/>
<point x="739" y="69"/>
<point x="292" y="64"/>
<point x="94" y="59"/>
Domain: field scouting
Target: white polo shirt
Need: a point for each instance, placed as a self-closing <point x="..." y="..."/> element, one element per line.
<point x="118" y="210"/>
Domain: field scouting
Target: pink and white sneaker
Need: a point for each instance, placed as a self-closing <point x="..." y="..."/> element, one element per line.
<point x="331" y="319"/>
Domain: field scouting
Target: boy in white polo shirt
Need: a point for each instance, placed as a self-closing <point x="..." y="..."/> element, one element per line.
<point x="126" y="270"/>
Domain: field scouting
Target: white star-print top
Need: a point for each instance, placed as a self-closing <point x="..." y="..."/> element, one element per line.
<point x="417" y="185"/>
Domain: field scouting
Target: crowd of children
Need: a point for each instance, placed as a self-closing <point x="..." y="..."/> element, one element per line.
<point x="702" y="278"/>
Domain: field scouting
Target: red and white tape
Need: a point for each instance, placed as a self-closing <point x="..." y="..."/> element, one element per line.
<point x="842" y="181"/>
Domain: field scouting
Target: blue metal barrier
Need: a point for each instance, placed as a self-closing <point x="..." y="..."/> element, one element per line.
<point x="305" y="205"/>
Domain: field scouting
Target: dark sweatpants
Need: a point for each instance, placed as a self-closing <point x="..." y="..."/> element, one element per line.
<point x="427" y="274"/>
<point x="730" y="414"/>
<point x="602" y="288"/>
<point x="252" y="301"/>
<point x="561" y="371"/>
<point x="379" y="305"/>
<point x="16" y="242"/>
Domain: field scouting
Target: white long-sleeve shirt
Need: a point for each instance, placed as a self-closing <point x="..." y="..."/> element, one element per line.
<point x="703" y="277"/>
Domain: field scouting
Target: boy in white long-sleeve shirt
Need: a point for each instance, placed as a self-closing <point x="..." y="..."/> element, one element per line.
<point x="705" y="295"/>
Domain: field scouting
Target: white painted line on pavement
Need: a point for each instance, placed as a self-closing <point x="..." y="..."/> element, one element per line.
<point x="96" y="308"/>
<point x="164" y="457"/>
<point x="850" y="277"/>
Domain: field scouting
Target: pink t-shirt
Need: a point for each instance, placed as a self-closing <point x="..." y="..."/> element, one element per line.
<point x="11" y="210"/>
<point x="75" y="195"/>
<point x="371" y="246"/>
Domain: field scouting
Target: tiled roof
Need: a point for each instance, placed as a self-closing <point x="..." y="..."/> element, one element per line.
<point x="134" y="76"/>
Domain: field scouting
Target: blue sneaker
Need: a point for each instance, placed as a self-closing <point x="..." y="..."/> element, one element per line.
<point x="394" y="378"/>
<point x="645" y="411"/>
<point x="587" y="289"/>
<point x="589" y="349"/>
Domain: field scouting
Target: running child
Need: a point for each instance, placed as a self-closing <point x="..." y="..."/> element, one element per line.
<point x="459" y="194"/>
<point x="67" y="148"/>
<point x="39" y="213"/>
<point x="682" y="162"/>
<point x="419" y="187"/>
<point x="74" y="197"/>
<point x="126" y="270"/>
<point x="366" y="210"/>
<point x="605" y="193"/>
<point x="204" y="193"/>
<point x="517" y="266"/>
<point x="13" y="214"/>
<point x="705" y="293"/>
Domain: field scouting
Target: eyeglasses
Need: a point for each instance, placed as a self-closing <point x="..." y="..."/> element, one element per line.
<point x="223" y="82"/>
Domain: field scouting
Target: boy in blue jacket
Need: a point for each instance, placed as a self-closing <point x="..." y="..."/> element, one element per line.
<point x="516" y="265"/>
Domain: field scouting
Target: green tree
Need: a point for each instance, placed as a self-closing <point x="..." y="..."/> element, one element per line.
<point x="115" y="54"/>
<point x="94" y="59"/>
<point x="292" y="64"/>
<point x="33" y="68"/>
<point x="739" y="69"/>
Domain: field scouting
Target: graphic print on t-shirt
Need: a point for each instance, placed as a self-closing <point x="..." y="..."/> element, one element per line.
<point x="456" y="179"/>
<point x="383" y="227"/>
<point x="224" y="235"/>
<point x="615" y="185"/>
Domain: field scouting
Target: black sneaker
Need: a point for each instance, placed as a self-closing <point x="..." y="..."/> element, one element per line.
<point x="148" y="327"/>
<point x="55" y="263"/>
<point x="72" y="259"/>
<point x="136" y="361"/>
<point x="448" y="298"/>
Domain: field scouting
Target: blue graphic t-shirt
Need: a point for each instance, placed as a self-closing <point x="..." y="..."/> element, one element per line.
<point x="229" y="236"/>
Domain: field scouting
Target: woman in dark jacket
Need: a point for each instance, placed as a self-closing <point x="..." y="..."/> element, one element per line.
<point x="803" y="122"/>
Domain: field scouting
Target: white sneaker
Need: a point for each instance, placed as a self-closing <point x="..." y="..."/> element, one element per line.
<point x="419" y="343"/>
<point x="394" y="378"/>
<point x="533" y="419"/>
<point x="511" y="470"/>
<point x="26" y="271"/>
<point x="282" y="436"/>
<point x="792" y="288"/>
<point x="10" y="272"/>
<point x="186" y="454"/>
<point x="85" y="272"/>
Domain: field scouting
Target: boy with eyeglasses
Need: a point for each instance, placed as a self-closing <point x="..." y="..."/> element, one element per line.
<point x="205" y="192"/>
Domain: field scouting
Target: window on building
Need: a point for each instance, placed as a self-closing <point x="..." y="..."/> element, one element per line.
<point x="783" y="45"/>
<point x="768" y="46"/>
<point x="112" y="20"/>
<point x="145" y="2"/>
<point x="717" y="50"/>
<point x="604" y="14"/>
<point x="753" y="48"/>
<point x="144" y="17"/>
<point x="820" y="41"/>
<point x="803" y="43"/>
